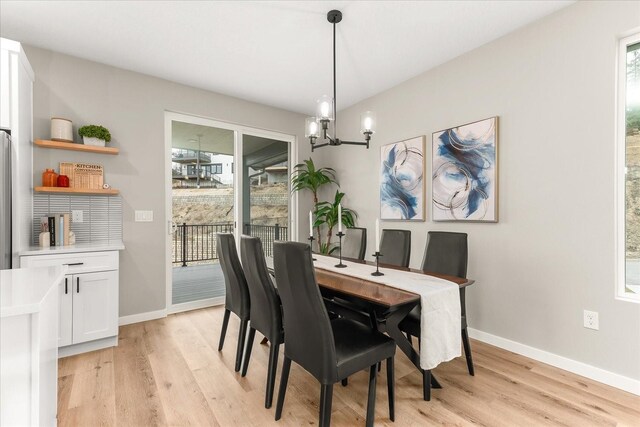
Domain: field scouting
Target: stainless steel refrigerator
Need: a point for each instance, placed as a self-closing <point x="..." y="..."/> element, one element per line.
<point x="5" y="200"/>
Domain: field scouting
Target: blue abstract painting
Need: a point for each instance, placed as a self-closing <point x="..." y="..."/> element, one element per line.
<point x="402" y="180"/>
<point x="464" y="181"/>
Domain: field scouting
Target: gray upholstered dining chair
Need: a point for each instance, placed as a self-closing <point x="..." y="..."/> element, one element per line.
<point x="354" y="244"/>
<point x="237" y="292"/>
<point x="395" y="247"/>
<point x="329" y="349"/>
<point x="446" y="253"/>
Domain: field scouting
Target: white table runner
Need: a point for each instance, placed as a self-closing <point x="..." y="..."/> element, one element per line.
<point x="440" y="305"/>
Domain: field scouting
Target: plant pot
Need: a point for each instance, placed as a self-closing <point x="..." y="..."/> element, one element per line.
<point x="96" y="142"/>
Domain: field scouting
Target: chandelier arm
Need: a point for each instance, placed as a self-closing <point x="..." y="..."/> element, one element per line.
<point x="355" y="143"/>
<point x="315" y="146"/>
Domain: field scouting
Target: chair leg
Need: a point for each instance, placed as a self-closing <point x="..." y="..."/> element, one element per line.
<point x="409" y="338"/>
<point x="225" y="323"/>
<point x="284" y="377"/>
<point x="247" y="352"/>
<point x="242" y="336"/>
<point x="426" y="384"/>
<point x="467" y="351"/>
<point x="345" y="382"/>
<point x="391" y="385"/>
<point x="271" y="374"/>
<point x="371" y="402"/>
<point x="326" y="396"/>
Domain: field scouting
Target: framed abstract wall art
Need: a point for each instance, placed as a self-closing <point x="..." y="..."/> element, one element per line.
<point x="465" y="172"/>
<point x="402" y="180"/>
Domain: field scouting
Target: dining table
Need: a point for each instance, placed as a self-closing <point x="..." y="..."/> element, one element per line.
<point x="384" y="306"/>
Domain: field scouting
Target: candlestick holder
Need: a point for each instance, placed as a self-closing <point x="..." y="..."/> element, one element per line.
<point x="377" y="255"/>
<point x="340" y="236"/>
<point x="311" y="239"/>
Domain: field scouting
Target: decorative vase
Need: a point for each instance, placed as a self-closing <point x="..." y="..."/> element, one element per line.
<point x="63" y="181"/>
<point x="61" y="129"/>
<point x="96" y="142"/>
<point x="49" y="178"/>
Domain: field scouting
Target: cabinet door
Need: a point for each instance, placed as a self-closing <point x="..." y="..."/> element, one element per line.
<point x="95" y="306"/>
<point x="65" y="315"/>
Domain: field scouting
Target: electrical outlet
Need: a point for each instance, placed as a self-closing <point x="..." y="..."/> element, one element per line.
<point x="77" y="216"/>
<point x="144" y="216"/>
<point x="591" y="320"/>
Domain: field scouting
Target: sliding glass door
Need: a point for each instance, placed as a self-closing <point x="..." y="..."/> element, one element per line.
<point x="265" y="190"/>
<point x="223" y="178"/>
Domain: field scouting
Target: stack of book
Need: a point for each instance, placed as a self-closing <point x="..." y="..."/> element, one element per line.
<point x="58" y="226"/>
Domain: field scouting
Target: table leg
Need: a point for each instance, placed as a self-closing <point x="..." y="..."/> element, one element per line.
<point x="393" y="320"/>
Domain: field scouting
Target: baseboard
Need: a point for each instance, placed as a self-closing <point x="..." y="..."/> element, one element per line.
<point x="579" y="368"/>
<point x="142" y="317"/>
<point x="85" y="347"/>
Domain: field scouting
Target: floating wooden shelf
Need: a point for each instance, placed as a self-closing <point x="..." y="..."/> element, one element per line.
<point x="68" y="190"/>
<point x="59" y="145"/>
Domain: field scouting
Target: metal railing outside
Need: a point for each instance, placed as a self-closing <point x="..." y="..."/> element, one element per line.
<point x="267" y="235"/>
<point x="197" y="243"/>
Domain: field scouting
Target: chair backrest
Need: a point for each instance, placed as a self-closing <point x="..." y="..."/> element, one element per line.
<point x="395" y="247"/>
<point x="446" y="253"/>
<point x="266" y="314"/>
<point x="308" y="337"/>
<point x="354" y="244"/>
<point x="237" y="292"/>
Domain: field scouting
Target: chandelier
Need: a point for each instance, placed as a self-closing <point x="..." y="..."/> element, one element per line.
<point x="316" y="127"/>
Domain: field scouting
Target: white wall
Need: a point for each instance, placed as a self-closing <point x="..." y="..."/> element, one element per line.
<point x="132" y="106"/>
<point x="552" y="253"/>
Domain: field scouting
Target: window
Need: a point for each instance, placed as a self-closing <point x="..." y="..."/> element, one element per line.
<point x="628" y="194"/>
<point x="216" y="168"/>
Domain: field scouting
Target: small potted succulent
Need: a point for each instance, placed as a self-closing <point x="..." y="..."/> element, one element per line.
<point x="94" y="135"/>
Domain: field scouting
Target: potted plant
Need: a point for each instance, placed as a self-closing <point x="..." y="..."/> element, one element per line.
<point x="305" y="176"/>
<point x="94" y="135"/>
<point x="327" y="213"/>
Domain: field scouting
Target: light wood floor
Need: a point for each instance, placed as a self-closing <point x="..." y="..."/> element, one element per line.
<point x="169" y="372"/>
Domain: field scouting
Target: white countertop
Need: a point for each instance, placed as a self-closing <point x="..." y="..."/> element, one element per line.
<point x="22" y="290"/>
<point x="106" y="245"/>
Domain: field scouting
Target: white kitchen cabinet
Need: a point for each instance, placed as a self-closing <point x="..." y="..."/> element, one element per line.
<point x="28" y="346"/>
<point x="95" y="299"/>
<point x="88" y="297"/>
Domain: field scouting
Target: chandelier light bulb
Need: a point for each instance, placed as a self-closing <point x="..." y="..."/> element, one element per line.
<point x="368" y="122"/>
<point x="325" y="108"/>
<point x="312" y="129"/>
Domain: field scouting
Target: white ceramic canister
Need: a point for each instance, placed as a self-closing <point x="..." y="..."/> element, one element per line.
<point x="61" y="129"/>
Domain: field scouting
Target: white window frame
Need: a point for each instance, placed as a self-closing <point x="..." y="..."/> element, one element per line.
<point x="620" y="169"/>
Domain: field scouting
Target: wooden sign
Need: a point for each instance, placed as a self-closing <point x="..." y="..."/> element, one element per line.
<point x="83" y="175"/>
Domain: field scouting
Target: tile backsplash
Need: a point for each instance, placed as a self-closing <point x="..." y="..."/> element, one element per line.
<point x="102" y="215"/>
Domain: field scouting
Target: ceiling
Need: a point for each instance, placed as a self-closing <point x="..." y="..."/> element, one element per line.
<point x="273" y="52"/>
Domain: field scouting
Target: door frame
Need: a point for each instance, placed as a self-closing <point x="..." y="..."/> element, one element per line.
<point x="238" y="131"/>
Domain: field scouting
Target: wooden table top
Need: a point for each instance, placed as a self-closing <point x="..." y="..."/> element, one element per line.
<point x="373" y="291"/>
